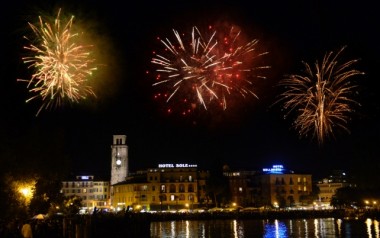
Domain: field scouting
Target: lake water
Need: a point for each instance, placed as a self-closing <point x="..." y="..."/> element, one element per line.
<point x="321" y="227"/>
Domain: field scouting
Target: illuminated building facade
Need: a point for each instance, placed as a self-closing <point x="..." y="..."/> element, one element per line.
<point x="329" y="186"/>
<point x="168" y="187"/>
<point x="278" y="187"/>
<point x="271" y="187"/>
<point x="94" y="193"/>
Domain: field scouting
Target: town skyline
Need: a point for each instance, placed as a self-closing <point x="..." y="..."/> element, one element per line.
<point x="251" y="134"/>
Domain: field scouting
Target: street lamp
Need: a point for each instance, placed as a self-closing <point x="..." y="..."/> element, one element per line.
<point x="26" y="192"/>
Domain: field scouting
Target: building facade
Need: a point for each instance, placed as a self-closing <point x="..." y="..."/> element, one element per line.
<point x="271" y="187"/>
<point x="329" y="186"/>
<point x="241" y="187"/>
<point x="93" y="193"/>
<point x="168" y="187"/>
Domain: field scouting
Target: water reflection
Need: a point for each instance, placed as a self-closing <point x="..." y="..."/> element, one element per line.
<point x="372" y="228"/>
<point x="275" y="228"/>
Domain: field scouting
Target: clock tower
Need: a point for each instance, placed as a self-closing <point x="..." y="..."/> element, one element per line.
<point x="119" y="161"/>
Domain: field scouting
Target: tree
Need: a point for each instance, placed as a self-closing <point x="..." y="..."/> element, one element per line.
<point x="217" y="187"/>
<point x="47" y="195"/>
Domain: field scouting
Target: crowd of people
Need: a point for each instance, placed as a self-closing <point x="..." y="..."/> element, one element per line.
<point x="30" y="228"/>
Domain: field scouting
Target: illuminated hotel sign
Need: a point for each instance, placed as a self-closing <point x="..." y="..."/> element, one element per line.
<point x="177" y="166"/>
<point x="84" y="177"/>
<point x="276" y="169"/>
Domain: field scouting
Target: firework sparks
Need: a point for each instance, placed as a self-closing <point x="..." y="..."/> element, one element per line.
<point x="322" y="99"/>
<point x="61" y="65"/>
<point x="206" y="70"/>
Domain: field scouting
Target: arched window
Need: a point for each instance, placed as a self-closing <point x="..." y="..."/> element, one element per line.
<point x="181" y="188"/>
<point x="172" y="188"/>
<point x="163" y="197"/>
<point x="190" y="188"/>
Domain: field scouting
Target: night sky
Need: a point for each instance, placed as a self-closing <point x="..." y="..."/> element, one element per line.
<point x="251" y="135"/>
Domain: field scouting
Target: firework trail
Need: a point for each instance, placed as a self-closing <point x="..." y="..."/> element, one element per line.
<point x="61" y="65"/>
<point x="322" y="98"/>
<point x="206" y="70"/>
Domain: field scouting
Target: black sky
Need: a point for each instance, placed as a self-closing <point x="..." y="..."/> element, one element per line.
<point x="251" y="137"/>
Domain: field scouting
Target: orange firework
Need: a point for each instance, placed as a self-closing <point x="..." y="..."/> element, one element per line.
<point x="61" y="65"/>
<point x="322" y="98"/>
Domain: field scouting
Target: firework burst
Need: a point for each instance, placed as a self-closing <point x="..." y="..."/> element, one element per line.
<point x="61" y="64"/>
<point x="206" y="69"/>
<point x="322" y="98"/>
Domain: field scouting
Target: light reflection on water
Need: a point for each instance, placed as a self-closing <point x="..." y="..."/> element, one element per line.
<point x="274" y="228"/>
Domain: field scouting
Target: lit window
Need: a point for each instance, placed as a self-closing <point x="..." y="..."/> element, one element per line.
<point x="240" y="189"/>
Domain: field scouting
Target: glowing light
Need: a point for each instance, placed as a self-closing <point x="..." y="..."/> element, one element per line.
<point x="322" y="98"/>
<point x="25" y="190"/>
<point x="61" y="65"/>
<point x="206" y="69"/>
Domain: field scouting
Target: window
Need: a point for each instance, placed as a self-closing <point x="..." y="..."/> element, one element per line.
<point x="172" y="197"/>
<point x="190" y="178"/>
<point x="240" y="189"/>
<point x="181" y="197"/>
<point x="153" y="188"/>
<point x="172" y="188"/>
<point x="190" y="188"/>
<point x="181" y="188"/>
<point x="163" y="188"/>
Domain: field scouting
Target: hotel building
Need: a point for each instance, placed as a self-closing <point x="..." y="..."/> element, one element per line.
<point x="167" y="187"/>
<point x="94" y="193"/>
<point x="271" y="187"/>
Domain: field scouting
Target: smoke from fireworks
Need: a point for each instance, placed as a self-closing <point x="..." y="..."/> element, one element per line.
<point x="206" y="69"/>
<point x="61" y="64"/>
<point x="322" y="98"/>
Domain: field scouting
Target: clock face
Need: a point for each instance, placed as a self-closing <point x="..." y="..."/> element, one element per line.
<point x="118" y="162"/>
